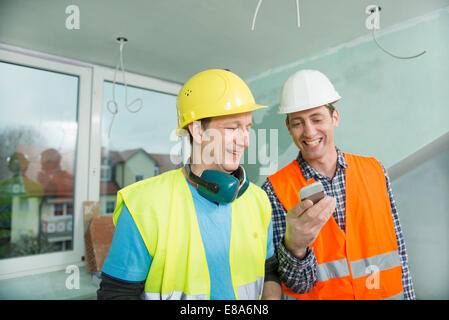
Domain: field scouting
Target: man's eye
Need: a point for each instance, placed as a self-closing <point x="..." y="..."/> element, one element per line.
<point x="296" y="124"/>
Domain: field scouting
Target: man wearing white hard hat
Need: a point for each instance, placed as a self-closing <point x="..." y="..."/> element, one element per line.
<point x="349" y="244"/>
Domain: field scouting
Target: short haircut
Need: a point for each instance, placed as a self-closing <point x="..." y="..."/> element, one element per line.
<point x="204" y="124"/>
<point x="329" y="107"/>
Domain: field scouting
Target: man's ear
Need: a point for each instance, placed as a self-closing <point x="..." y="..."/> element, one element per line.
<point x="287" y="123"/>
<point x="335" y="118"/>
<point x="196" y="131"/>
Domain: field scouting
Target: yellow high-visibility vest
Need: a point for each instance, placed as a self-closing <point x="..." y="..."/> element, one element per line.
<point x="163" y="211"/>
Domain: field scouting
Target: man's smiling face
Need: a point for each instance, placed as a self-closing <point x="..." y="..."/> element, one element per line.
<point x="224" y="141"/>
<point x="312" y="131"/>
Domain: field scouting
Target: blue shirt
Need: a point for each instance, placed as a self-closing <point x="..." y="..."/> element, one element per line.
<point x="128" y="258"/>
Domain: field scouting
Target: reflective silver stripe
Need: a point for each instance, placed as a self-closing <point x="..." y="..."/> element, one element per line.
<point x="333" y="269"/>
<point x="174" y="295"/>
<point x="380" y="262"/>
<point x="399" y="296"/>
<point x="251" y="291"/>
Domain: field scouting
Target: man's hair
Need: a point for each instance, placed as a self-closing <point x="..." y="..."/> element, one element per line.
<point x="204" y="124"/>
<point x="329" y="107"/>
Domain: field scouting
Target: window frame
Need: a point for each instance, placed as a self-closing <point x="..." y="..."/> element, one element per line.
<point x="100" y="75"/>
<point x="26" y="265"/>
<point x="87" y="159"/>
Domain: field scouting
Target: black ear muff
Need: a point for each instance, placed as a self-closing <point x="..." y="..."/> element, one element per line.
<point x="241" y="175"/>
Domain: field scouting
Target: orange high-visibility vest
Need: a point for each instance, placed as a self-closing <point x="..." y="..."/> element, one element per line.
<point x="363" y="261"/>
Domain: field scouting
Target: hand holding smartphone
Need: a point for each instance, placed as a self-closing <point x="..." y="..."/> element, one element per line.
<point x="303" y="229"/>
<point x="313" y="192"/>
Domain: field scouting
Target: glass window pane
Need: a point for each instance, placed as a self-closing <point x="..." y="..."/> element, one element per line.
<point x="38" y="133"/>
<point x="135" y="145"/>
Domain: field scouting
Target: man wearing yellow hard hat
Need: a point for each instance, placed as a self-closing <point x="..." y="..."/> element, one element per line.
<point x="349" y="244"/>
<point x="202" y="231"/>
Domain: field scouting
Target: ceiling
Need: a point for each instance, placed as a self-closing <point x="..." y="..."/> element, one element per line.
<point x="174" y="39"/>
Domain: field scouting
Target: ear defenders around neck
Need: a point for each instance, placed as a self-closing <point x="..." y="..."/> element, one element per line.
<point x="218" y="186"/>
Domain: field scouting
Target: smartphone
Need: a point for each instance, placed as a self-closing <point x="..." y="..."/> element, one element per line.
<point x="313" y="192"/>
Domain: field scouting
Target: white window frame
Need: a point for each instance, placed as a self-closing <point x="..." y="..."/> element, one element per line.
<point x="88" y="159"/>
<point x="101" y="74"/>
<point x="21" y="266"/>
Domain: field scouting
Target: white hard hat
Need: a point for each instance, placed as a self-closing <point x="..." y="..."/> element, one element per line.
<point x="306" y="89"/>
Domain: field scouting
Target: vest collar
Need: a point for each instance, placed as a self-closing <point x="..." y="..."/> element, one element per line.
<point x="310" y="172"/>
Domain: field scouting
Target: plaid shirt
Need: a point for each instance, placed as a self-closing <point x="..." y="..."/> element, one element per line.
<point x="300" y="275"/>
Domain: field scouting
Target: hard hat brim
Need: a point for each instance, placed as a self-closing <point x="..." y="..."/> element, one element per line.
<point x="292" y="109"/>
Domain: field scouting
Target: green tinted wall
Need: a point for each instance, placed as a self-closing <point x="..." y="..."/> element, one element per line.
<point x="424" y="211"/>
<point x="389" y="107"/>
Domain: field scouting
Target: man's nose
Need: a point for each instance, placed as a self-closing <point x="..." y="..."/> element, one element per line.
<point x="241" y="138"/>
<point x="309" y="129"/>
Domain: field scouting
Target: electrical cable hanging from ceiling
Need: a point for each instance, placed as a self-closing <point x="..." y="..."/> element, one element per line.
<point x="114" y="111"/>
<point x="393" y="55"/>
<point x="371" y="9"/>
<point x="372" y="23"/>
<point x="255" y="15"/>
<point x="298" y="19"/>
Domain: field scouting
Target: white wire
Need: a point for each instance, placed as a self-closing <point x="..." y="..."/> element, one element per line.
<point x="298" y="19"/>
<point x="255" y="15"/>
<point x="393" y="55"/>
<point x="113" y="101"/>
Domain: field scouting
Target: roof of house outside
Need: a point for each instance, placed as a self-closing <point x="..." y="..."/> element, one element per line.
<point x="162" y="160"/>
<point x="108" y="188"/>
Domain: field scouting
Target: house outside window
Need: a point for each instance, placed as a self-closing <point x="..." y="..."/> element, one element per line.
<point x="105" y="173"/>
<point x="69" y="208"/>
<point x="124" y="142"/>
<point x="59" y="209"/>
<point x="110" y="206"/>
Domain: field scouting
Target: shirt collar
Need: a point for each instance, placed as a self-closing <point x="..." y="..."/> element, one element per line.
<point x="310" y="172"/>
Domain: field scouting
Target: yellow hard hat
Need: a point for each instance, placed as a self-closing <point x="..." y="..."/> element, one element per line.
<point x="213" y="93"/>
